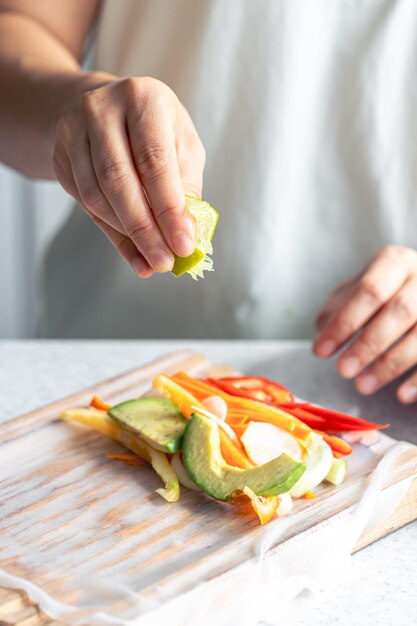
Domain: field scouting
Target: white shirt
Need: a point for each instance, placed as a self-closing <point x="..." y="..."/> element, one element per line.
<point x="308" y="112"/>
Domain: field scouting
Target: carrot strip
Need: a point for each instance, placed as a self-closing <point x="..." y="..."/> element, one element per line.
<point x="231" y="453"/>
<point x="337" y="445"/>
<point x="99" y="404"/>
<point x="185" y="401"/>
<point x="130" y="459"/>
<point x="252" y="409"/>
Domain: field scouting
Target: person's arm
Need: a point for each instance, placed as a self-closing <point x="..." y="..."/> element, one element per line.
<point x="126" y="149"/>
<point x="40" y="49"/>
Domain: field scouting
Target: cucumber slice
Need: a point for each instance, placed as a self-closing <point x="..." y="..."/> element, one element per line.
<point x="337" y="472"/>
<point x="156" y="420"/>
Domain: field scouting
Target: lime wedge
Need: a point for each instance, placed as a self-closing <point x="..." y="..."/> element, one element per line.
<point x="199" y="261"/>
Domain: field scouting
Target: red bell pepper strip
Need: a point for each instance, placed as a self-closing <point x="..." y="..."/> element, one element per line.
<point x="268" y="392"/>
<point x="252" y="387"/>
<point x="337" y="418"/>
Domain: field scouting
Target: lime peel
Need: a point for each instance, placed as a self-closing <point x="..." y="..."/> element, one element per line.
<point x="200" y="261"/>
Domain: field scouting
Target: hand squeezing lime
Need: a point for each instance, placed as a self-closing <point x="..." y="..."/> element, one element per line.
<point x="199" y="261"/>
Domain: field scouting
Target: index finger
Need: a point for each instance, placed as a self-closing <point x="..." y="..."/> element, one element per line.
<point x="154" y="152"/>
<point x="377" y="285"/>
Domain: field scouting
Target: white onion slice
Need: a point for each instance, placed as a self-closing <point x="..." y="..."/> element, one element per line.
<point x="181" y="473"/>
<point x="264" y="442"/>
<point x="219" y="423"/>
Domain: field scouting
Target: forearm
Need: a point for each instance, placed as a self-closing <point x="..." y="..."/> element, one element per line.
<point x="39" y="78"/>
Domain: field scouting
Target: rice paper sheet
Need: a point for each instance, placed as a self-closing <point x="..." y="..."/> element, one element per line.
<point x="90" y="541"/>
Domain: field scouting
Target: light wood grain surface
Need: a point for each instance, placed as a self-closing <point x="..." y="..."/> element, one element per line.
<point x="192" y="524"/>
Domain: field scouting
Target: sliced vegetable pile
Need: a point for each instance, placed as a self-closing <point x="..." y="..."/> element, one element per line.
<point x="233" y="438"/>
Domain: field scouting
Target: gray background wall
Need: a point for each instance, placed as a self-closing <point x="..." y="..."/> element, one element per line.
<point x="30" y="214"/>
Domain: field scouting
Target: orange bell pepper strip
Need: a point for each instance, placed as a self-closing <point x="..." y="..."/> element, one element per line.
<point x="99" y="404"/>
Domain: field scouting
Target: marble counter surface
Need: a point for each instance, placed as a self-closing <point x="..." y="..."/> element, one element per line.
<point x="380" y="588"/>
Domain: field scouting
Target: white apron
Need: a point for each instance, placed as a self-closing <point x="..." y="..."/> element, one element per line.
<point x="308" y="112"/>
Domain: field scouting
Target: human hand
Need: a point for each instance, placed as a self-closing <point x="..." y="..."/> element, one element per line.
<point x="128" y="152"/>
<point x="377" y="313"/>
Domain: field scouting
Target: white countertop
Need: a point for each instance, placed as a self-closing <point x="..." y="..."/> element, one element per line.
<point x="380" y="588"/>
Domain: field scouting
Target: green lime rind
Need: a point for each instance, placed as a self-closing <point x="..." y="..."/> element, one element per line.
<point x="182" y="265"/>
<point x="206" y="218"/>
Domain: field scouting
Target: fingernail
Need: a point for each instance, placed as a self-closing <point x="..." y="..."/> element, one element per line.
<point x="325" y="348"/>
<point x="367" y="384"/>
<point x="408" y="395"/>
<point x="141" y="268"/>
<point x="183" y="244"/>
<point x="349" y="367"/>
<point x="161" y="261"/>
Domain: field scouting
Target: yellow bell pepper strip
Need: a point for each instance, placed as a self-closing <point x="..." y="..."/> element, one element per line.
<point x="175" y="392"/>
<point x="187" y="404"/>
<point x="99" y="420"/>
<point x="242" y="407"/>
<point x="265" y="508"/>
<point x="309" y="495"/>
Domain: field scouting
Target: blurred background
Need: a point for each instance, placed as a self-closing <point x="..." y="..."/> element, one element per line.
<point x="31" y="214"/>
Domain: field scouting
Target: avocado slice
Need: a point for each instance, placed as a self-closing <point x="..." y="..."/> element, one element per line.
<point x="206" y="467"/>
<point x="156" y="420"/>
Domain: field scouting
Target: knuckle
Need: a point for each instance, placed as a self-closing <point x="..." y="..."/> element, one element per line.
<point x="152" y="161"/>
<point x="391" y="364"/>
<point x="405" y="307"/>
<point x="372" y="288"/>
<point x="139" y="232"/>
<point x="89" y="102"/>
<point x="370" y="344"/>
<point x="63" y="127"/>
<point x="171" y="210"/>
<point x="113" y="175"/>
<point x="123" y="246"/>
<point x="92" y="197"/>
<point x="130" y="86"/>
<point x="343" y="327"/>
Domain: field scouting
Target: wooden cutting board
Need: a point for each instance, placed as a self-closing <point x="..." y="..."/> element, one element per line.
<point x="141" y="526"/>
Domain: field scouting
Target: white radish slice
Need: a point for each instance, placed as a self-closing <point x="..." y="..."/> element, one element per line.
<point x="216" y="405"/>
<point x="264" y="442"/>
<point x="219" y="422"/>
<point x="181" y="473"/>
